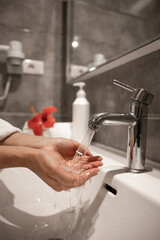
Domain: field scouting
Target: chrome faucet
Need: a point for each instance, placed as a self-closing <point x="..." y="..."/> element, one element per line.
<point x="136" y="120"/>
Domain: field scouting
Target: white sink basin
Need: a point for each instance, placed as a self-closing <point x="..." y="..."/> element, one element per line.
<point x="30" y="210"/>
<point x="133" y="213"/>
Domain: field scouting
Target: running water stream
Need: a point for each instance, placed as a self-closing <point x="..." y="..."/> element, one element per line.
<point x="76" y="194"/>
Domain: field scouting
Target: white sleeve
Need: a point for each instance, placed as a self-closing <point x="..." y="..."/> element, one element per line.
<point x="7" y="129"/>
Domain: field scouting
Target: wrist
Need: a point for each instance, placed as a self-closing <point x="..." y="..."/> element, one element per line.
<point x="19" y="139"/>
<point x="17" y="157"/>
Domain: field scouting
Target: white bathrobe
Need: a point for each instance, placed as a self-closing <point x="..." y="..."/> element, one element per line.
<point x="7" y="129"/>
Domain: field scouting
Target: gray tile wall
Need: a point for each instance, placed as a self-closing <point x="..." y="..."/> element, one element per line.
<point x="38" y="25"/>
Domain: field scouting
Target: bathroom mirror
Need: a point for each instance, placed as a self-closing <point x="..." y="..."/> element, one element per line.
<point x="102" y="31"/>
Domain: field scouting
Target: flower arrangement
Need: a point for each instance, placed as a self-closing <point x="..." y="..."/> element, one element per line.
<point x="42" y="120"/>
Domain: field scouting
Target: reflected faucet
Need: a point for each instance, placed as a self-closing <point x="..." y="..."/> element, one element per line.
<point x="136" y="120"/>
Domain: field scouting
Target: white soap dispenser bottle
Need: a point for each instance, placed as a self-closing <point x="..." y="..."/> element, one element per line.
<point x="80" y="113"/>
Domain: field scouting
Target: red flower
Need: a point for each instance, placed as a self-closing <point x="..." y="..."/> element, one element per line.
<point x="41" y="120"/>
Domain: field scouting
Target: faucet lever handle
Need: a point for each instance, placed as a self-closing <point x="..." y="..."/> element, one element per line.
<point x="123" y="85"/>
<point x="139" y="94"/>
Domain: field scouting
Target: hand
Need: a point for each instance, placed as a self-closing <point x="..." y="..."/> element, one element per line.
<point x="54" y="161"/>
<point x="58" y="167"/>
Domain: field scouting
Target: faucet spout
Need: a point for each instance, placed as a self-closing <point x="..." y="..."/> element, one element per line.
<point x="106" y="118"/>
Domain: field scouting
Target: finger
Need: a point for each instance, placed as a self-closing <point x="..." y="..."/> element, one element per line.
<point x="82" y="149"/>
<point x="92" y="165"/>
<point x="87" y="160"/>
<point x="74" y="178"/>
<point x="88" y="152"/>
<point x="94" y="158"/>
<point x="96" y="164"/>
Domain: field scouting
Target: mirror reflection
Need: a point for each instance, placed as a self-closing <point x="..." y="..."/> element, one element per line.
<point x="103" y="30"/>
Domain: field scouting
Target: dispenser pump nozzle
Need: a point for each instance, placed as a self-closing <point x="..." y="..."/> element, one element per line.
<point x="81" y="92"/>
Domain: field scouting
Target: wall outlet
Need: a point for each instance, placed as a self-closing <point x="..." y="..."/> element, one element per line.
<point x="33" y="67"/>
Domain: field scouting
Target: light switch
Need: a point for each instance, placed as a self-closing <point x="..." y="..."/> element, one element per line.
<point x="33" y="67"/>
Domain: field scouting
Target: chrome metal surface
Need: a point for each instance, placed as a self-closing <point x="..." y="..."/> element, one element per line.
<point x="107" y="118"/>
<point x="136" y="120"/>
<point x="123" y="85"/>
<point x="139" y="94"/>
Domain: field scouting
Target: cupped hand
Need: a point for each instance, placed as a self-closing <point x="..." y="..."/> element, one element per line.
<point x="56" y="160"/>
<point x="60" y="166"/>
